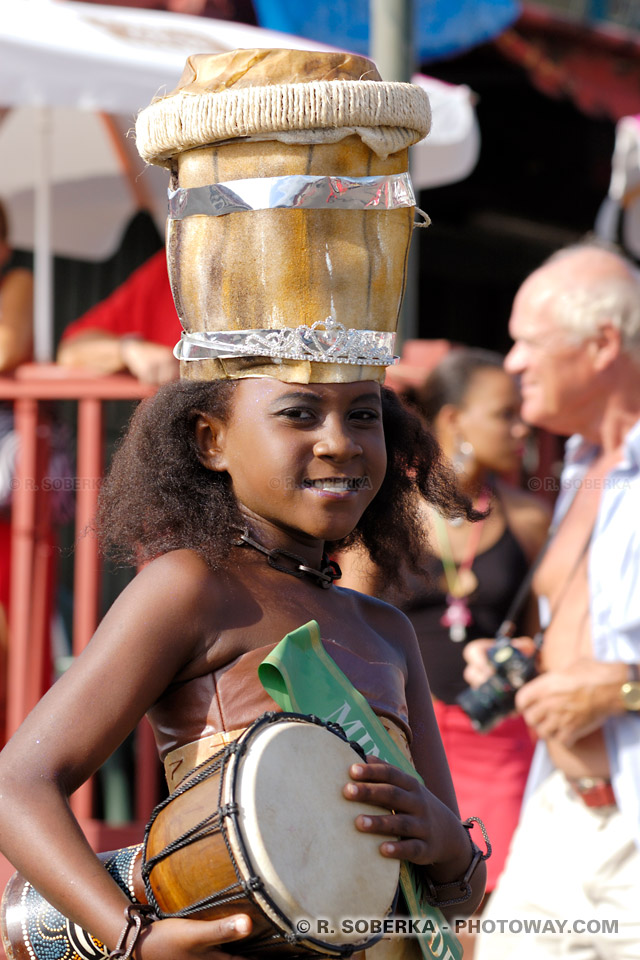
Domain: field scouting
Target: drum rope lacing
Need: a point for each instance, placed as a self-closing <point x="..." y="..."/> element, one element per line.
<point x="214" y="823"/>
<point x="217" y="823"/>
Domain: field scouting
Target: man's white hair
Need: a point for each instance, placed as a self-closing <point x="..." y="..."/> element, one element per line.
<point x="587" y="305"/>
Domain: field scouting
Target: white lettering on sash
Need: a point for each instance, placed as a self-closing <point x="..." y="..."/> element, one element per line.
<point x="354" y="729"/>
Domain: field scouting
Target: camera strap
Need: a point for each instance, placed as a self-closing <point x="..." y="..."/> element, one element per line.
<point x="508" y="626"/>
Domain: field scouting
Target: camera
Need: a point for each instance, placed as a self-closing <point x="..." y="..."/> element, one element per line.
<point x="493" y="700"/>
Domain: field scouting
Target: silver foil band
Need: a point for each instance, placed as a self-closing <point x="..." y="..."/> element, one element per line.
<point x="326" y="341"/>
<point x="295" y="192"/>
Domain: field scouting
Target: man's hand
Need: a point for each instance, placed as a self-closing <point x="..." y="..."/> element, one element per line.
<point x="106" y="353"/>
<point x="568" y="704"/>
<point x="149" y="362"/>
<point x="479" y="668"/>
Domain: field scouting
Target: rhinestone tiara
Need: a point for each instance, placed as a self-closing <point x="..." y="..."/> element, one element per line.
<point x="325" y="341"/>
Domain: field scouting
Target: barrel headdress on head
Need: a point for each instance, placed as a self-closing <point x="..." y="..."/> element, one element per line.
<point x="290" y="212"/>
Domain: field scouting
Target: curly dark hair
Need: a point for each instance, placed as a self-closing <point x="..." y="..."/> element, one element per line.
<point x="159" y="497"/>
<point x="450" y="380"/>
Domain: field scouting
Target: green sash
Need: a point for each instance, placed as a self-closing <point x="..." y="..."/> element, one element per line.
<point x="302" y="678"/>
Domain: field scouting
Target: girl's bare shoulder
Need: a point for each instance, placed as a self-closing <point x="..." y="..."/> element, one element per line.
<point x="180" y="579"/>
<point x="190" y="571"/>
<point x="170" y="605"/>
<point x="390" y="623"/>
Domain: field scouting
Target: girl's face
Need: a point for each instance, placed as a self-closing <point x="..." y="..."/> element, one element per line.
<point x="307" y="459"/>
<point x="489" y="418"/>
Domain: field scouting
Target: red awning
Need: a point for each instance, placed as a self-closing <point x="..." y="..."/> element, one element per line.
<point x="597" y="67"/>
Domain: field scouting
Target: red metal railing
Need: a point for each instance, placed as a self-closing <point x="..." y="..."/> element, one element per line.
<point x="31" y="389"/>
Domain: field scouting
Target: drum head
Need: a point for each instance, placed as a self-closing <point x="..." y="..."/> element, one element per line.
<point x="300" y="834"/>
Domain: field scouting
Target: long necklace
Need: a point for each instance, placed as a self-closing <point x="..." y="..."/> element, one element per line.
<point x="460" y="579"/>
<point x="324" y="577"/>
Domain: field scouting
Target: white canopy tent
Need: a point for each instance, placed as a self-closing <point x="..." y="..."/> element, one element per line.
<point x="72" y="78"/>
<point x="618" y="220"/>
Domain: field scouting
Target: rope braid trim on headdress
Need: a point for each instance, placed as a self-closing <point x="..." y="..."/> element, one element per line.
<point x="184" y="121"/>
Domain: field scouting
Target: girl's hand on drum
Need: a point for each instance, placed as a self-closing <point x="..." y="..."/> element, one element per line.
<point x="424" y="829"/>
<point x="177" y="939"/>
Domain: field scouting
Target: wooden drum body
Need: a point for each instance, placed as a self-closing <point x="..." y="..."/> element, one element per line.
<point x="263" y="828"/>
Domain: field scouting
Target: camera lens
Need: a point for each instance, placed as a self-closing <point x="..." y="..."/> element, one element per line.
<point x="489" y="703"/>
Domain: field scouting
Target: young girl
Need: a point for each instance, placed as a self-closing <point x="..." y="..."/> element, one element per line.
<point x="297" y="468"/>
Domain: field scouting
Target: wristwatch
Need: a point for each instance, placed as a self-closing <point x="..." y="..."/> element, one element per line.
<point x="630" y="691"/>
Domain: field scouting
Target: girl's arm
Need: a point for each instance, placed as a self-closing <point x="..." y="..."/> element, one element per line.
<point x="150" y="633"/>
<point x="425" y="818"/>
<point x="16" y="318"/>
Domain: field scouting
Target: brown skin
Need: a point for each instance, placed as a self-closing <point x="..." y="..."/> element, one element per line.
<point x="16" y="314"/>
<point x="489" y="418"/>
<point x="178" y="620"/>
<point x="105" y="353"/>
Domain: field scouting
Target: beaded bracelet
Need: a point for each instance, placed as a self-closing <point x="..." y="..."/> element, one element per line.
<point x="463" y="883"/>
<point x="136" y="915"/>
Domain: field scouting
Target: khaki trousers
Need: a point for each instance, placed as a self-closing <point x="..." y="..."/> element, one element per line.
<point x="572" y="863"/>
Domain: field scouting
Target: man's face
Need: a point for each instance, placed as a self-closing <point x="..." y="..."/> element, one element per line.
<point x="556" y="372"/>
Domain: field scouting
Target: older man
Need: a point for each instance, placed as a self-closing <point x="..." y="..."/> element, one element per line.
<point x="574" y="865"/>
